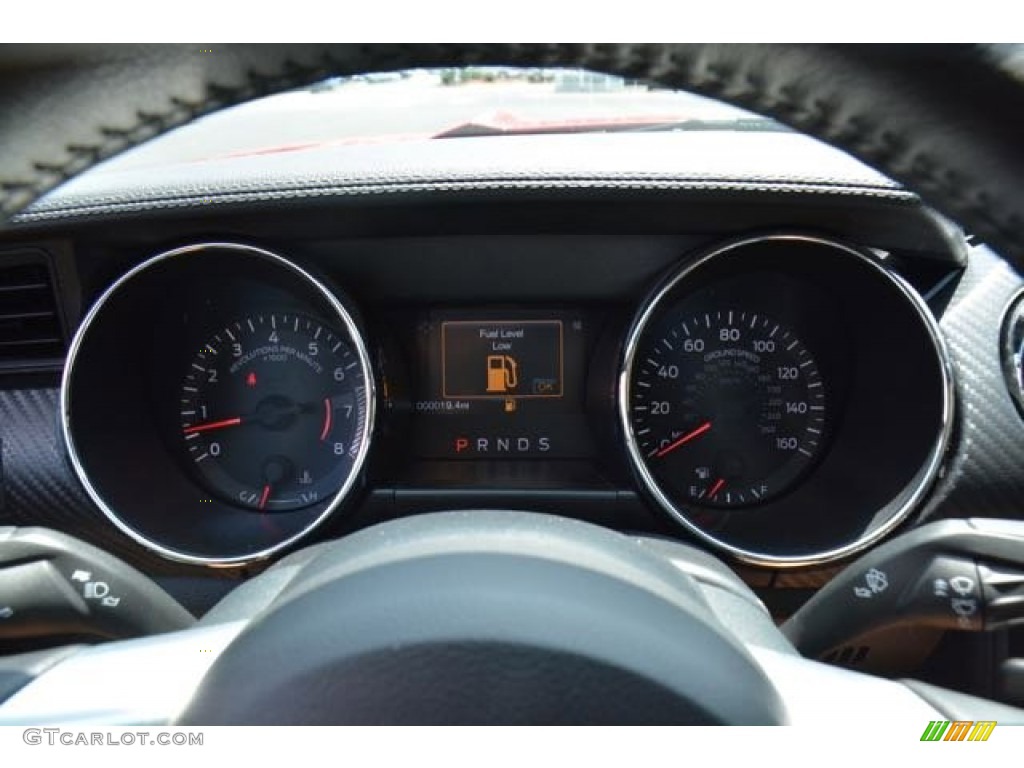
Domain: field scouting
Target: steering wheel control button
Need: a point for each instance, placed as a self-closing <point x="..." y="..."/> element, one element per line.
<point x="53" y="585"/>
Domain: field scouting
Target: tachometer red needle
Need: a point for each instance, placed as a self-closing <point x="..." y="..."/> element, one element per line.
<point x="264" y="496"/>
<point x="327" y="420"/>
<point x="684" y="439"/>
<point x="213" y="425"/>
<point x="716" y="488"/>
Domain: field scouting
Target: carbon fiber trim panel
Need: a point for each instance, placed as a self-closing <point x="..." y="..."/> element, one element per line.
<point x="985" y="477"/>
<point x="40" y="488"/>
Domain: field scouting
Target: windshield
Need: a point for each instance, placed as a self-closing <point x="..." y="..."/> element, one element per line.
<point x="434" y="104"/>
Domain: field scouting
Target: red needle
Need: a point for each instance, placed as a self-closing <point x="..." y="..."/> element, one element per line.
<point x="716" y="488"/>
<point x="265" y="496"/>
<point x="213" y="425"/>
<point x="327" y="419"/>
<point x="684" y="439"/>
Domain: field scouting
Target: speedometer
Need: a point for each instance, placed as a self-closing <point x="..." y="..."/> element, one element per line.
<point x="758" y="405"/>
<point x="727" y="407"/>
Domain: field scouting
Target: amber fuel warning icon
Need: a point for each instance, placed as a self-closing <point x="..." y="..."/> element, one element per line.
<point x="502" y="373"/>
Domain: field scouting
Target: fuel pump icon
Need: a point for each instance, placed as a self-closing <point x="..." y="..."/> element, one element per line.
<point x="502" y="373"/>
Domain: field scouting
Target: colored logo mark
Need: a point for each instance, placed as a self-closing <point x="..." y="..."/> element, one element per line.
<point x="958" y="730"/>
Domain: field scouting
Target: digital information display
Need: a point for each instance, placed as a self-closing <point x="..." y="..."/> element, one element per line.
<point x="502" y="359"/>
<point x="501" y="385"/>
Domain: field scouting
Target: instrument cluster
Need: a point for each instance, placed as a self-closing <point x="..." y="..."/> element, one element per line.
<point x="784" y="399"/>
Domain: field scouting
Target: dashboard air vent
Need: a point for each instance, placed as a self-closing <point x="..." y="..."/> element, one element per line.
<point x="31" y="337"/>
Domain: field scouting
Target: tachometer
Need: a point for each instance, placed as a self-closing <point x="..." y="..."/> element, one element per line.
<point x="727" y="407"/>
<point x="218" y="403"/>
<point x="270" y="412"/>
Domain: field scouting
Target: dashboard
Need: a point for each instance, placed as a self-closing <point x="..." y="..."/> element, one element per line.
<point x="782" y="373"/>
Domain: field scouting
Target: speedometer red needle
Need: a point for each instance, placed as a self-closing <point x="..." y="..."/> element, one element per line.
<point x="264" y="496"/>
<point x="213" y="425"/>
<point x="684" y="439"/>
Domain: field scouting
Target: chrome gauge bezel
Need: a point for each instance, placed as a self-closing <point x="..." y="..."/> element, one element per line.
<point x="345" y="322"/>
<point x="912" y="495"/>
<point x="1011" y="343"/>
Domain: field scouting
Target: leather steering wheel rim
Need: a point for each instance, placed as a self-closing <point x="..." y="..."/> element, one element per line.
<point x="945" y="120"/>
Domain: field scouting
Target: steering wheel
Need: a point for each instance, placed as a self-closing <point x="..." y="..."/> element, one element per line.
<point x="529" y="619"/>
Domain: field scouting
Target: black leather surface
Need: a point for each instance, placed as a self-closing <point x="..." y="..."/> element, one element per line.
<point x="944" y="119"/>
<point x="744" y="165"/>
